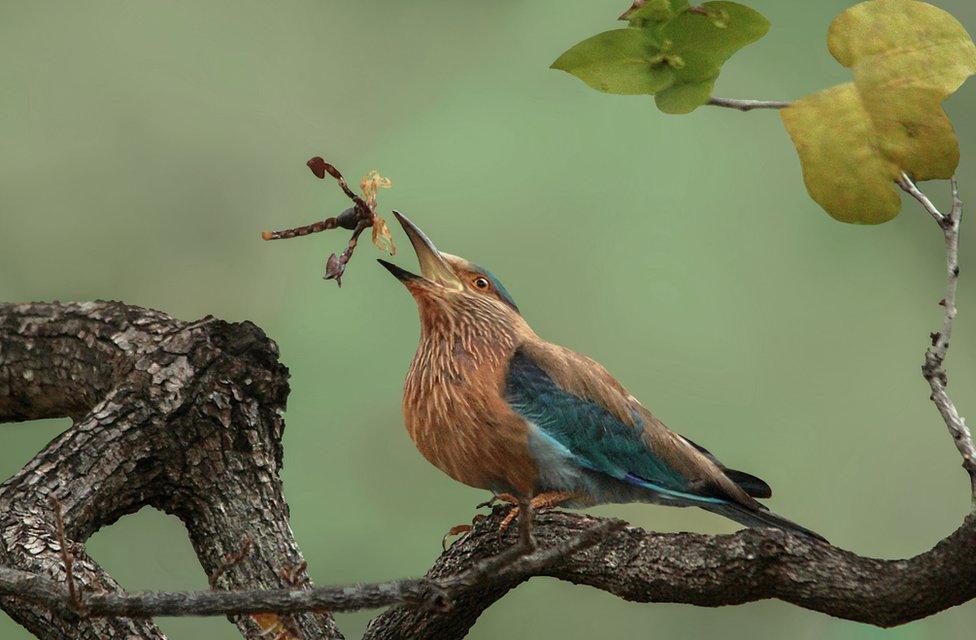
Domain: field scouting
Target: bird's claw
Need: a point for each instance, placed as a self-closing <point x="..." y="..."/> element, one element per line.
<point x="454" y="531"/>
<point x="507" y="520"/>
<point x="460" y="529"/>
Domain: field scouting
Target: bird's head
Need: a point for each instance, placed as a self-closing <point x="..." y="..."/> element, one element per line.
<point x="452" y="286"/>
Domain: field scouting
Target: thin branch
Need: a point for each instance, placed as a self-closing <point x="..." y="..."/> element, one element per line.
<point x="335" y="266"/>
<point x="46" y="591"/>
<point x="422" y="593"/>
<point x="908" y="186"/>
<point x="932" y="366"/>
<point x="747" y="105"/>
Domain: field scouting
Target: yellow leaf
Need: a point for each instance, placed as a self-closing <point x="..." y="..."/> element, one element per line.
<point x="370" y="184"/>
<point x="907" y="56"/>
<point x="382" y="237"/>
<point x="842" y="168"/>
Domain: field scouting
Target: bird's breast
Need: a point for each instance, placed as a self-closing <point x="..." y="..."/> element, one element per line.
<point x="459" y="420"/>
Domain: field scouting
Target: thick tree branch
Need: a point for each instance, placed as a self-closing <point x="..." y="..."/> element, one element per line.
<point x="183" y="417"/>
<point x="711" y="571"/>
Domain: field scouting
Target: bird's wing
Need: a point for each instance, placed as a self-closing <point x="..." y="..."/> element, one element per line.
<point x="576" y="402"/>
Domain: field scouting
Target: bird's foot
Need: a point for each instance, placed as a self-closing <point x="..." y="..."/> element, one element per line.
<point x="460" y="529"/>
<point x="540" y="502"/>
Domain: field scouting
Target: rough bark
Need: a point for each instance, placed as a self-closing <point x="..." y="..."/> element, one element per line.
<point x="710" y="571"/>
<point x="183" y="417"/>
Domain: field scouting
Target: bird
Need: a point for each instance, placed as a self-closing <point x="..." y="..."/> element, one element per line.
<point x="496" y="407"/>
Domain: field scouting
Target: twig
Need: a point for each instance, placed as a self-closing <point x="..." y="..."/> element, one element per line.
<point x="335" y="266"/>
<point x="68" y="558"/>
<point x="747" y="105"/>
<point x="357" y="218"/>
<point x="909" y="187"/>
<point x="304" y="230"/>
<point x="50" y="593"/>
<point x="423" y="593"/>
<point x="932" y="366"/>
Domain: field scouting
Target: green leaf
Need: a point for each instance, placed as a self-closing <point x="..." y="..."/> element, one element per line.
<point x="653" y="12"/>
<point x="704" y="42"/>
<point x="707" y="40"/>
<point x="622" y="61"/>
<point x="684" y="98"/>
<point x="672" y="50"/>
<point x="907" y="56"/>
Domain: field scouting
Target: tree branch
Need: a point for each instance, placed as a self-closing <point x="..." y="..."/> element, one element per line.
<point x="149" y="604"/>
<point x="710" y="571"/>
<point x="932" y="366"/>
<point x="183" y="417"/>
<point x="421" y="594"/>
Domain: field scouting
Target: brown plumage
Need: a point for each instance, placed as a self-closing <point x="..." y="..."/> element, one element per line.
<point x="496" y="407"/>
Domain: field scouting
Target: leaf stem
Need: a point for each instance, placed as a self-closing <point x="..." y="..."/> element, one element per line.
<point x="747" y="105"/>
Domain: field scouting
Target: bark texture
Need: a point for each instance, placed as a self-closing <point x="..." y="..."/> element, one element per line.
<point x="186" y="418"/>
<point x="710" y="571"/>
<point x="182" y="417"/>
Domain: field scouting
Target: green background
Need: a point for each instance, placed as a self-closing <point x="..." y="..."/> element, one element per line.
<point x="144" y="146"/>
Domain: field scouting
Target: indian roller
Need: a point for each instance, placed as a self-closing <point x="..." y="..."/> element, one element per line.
<point x="496" y="407"/>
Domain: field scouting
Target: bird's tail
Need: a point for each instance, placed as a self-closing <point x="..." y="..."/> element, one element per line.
<point x="759" y="518"/>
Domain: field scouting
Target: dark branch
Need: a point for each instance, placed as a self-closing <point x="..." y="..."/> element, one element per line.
<point x="45" y="591"/>
<point x="215" y="390"/>
<point x="183" y="417"/>
<point x="709" y="571"/>
<point x="419" y="594"/>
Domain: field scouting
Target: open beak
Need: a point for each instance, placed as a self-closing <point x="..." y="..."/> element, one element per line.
<point x="433" y="267"/>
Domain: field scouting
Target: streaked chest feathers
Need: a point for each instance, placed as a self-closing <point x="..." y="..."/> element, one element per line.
<point x="453" y="405"/>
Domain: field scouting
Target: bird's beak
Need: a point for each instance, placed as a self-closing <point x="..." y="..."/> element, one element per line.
<point x="433" y="267"/>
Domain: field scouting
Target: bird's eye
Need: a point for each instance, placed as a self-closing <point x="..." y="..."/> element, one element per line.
<point x="482" y="283"/>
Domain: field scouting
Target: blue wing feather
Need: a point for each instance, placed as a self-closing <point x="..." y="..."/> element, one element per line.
<point x="591" y="436"/>
<point x="611" y="460"/>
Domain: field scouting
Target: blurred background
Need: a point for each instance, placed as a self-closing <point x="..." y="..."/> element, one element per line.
<point x="145" y="145"/>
